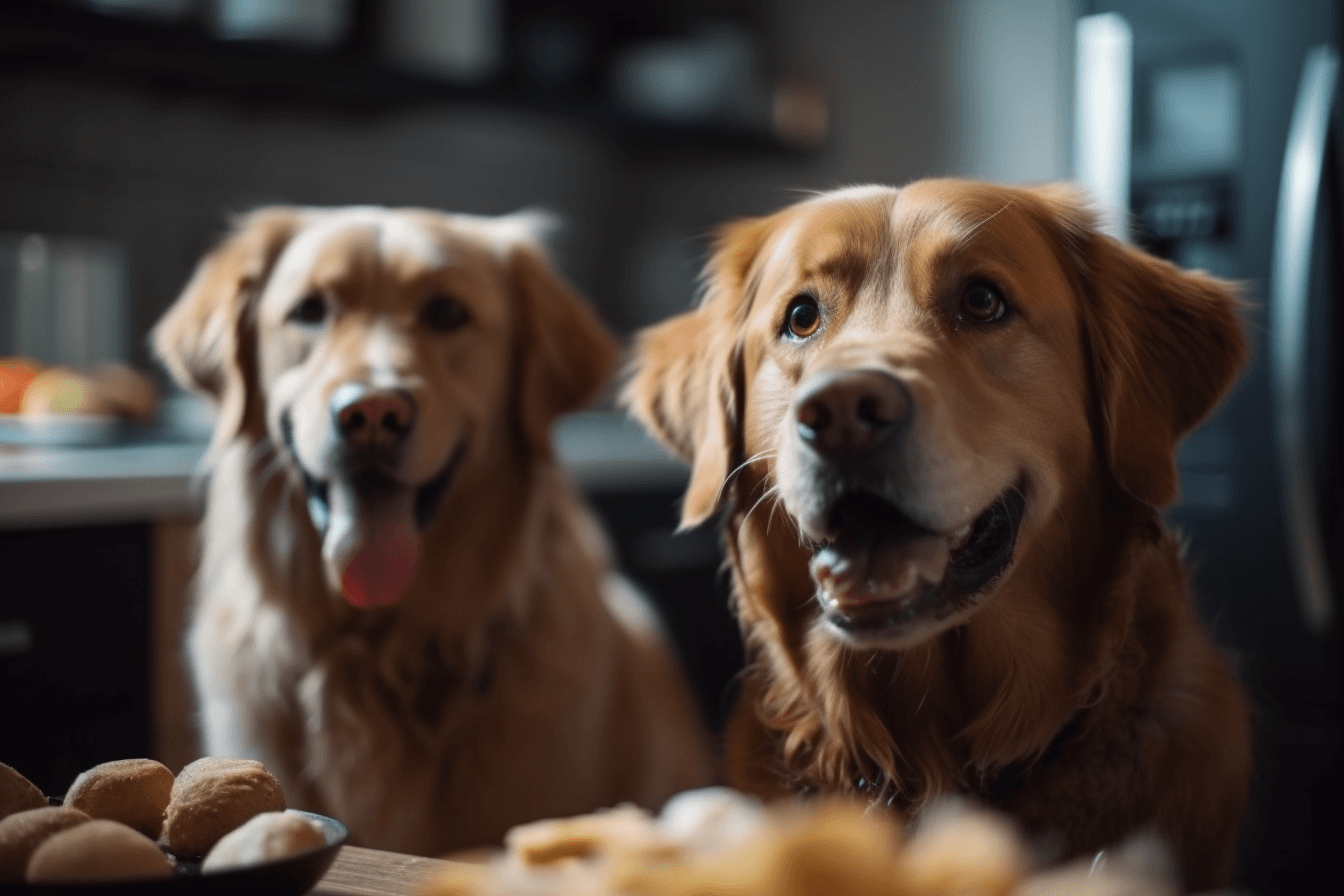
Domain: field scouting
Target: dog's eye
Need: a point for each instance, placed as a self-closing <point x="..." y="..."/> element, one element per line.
<point x="982" y="303"/>
<point x="443" y="314"/>
<point x="311" y="310"/>
<point x="803" y="317"/>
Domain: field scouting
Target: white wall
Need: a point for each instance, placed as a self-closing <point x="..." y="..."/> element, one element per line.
<point x="1012" y="79"/>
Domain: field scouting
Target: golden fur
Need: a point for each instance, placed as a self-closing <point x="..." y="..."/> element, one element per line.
<point x="516" y="677"/>
<point x="1076" y="688"/>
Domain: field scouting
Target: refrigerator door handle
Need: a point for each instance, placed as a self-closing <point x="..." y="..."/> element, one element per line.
<point x="1290" y="276"/>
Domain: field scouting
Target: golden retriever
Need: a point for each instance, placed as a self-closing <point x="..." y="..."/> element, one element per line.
<point x="942" y="419"/>
<point x="403" y="608"/>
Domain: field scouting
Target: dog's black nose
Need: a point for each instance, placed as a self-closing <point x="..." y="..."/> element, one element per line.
<point x="368" y="418"/>
<point x="850" y="412"/>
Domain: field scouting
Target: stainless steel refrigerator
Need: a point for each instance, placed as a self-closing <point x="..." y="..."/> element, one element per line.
<point x="1231" y="131"/>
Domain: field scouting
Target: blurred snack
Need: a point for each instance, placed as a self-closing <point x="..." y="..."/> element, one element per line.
<point x="134" y="792"/>
<point x="17" y="792"/>
<point x="23" y="832"/>
<point x="130" y="390"/>
<point x="97" y="851"/>
<point x="15" y="375"/>
<point x="719" y="842"/>
<point x="62" y="390"/>
<point x="109" y="389"/>
<point x="211" y="797"/>
<point x="267" y="837"/>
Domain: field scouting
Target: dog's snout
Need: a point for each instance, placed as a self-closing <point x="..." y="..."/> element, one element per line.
<point x="372" y="418"/>
<point x="850" y="411"/>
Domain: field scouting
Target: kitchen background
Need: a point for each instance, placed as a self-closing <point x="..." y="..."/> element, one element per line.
<point x="133" y="128"/>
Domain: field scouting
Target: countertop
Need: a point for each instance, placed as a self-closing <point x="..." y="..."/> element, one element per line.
<point x="372" y="872"/>
<point x="154" y="474"/>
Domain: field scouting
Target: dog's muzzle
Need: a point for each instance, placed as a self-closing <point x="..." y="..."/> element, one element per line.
<point x="369" y="521"/>
<point x="882" y="578"/>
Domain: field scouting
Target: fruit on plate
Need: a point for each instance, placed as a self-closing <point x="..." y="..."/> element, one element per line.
<point x="107" y="389"/>
<point x="15" y="375"/>
<point x="63" y="390"/>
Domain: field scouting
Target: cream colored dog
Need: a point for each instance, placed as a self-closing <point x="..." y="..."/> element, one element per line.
<point x="403" y="608"/>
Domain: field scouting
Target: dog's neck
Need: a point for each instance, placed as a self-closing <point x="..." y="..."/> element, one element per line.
<point x="953" y="713"/>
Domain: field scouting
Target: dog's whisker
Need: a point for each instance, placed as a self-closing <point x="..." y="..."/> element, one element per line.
<point x="760" y="455"/>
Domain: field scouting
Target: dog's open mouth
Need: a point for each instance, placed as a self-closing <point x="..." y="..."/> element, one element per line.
<point x="884" y="577"/>
<point x="371" y="526"/>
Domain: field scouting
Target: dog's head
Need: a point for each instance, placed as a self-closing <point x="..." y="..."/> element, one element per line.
<point x="385" y="354"/>
<point x="920" y="377"/>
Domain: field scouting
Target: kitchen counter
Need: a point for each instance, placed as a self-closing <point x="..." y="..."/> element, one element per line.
<point x="157" y="477"/>
<point x="373" y="872"/>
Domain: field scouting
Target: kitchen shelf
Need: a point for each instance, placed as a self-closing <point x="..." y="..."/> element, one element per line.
<point x="178" y="60"/>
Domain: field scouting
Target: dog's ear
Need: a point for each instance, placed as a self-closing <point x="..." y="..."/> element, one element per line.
<point x="567" y="352"/>
<point x="205" y="339"/>
<point x="683" y="383"/>
<point x="1165" y="345"/>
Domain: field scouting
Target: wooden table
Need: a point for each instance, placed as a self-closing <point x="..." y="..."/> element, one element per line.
<point x="373" y="872"/>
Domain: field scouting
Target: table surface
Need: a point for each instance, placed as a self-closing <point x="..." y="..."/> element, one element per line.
<point x="373" y="872"/>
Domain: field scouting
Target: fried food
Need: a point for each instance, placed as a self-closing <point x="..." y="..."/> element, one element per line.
<point x="97" y="851"/>
<point x="23" y="832"/>
<point x="211" y="797"/>
<point x="17" y="793"/>
<point x="134" y="792"/>
<point x="267" y="837"/>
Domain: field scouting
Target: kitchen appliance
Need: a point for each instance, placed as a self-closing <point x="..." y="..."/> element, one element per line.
<point x="1232" y="145"/>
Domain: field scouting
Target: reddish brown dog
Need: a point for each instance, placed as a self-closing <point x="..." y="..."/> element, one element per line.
<point x="942" y="419"/>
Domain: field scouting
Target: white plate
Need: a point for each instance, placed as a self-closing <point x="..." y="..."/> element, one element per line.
<point x="59" y="429"/>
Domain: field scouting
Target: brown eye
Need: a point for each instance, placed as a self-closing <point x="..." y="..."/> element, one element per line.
<point x="311" y="309"/>
<point x="443" y="314"/>
<point x="982" y="303"/>
<point x="803" y="317"/>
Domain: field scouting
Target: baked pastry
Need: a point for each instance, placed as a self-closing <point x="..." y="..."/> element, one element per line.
<point x="267" y="837"/>
<point x="23" y="832"/>
<point x="134" y="792"/>
<point x="97" y="851"/>
<point x="211" y="797"/>
<point x="17" y="792"/>
<point x="719" y="841"/>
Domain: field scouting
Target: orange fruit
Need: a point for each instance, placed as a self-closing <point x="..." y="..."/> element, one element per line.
<point x="15" y="375"/>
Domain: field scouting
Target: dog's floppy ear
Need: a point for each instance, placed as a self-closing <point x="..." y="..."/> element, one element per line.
<point x="684" y="377"/>
<point x="1165" y="346"/>
<point x="567" y="352"/>
<point x="206" y="338"/>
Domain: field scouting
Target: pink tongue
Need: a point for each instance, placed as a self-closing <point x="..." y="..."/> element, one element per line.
<point x="371" y="546"/>
<point x="381" y="569"/>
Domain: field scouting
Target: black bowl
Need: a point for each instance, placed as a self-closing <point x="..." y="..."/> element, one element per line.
<point x="290" y="876"/>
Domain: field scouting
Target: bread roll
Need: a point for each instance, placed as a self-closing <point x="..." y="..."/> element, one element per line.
<point x="97" y="851"/>
<point x="267" y="837"/>
<point x="23" y="832"/>
<point x="211" y="797"/>
<point x="134" y="792"/>
<point x="17" y="793"/>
